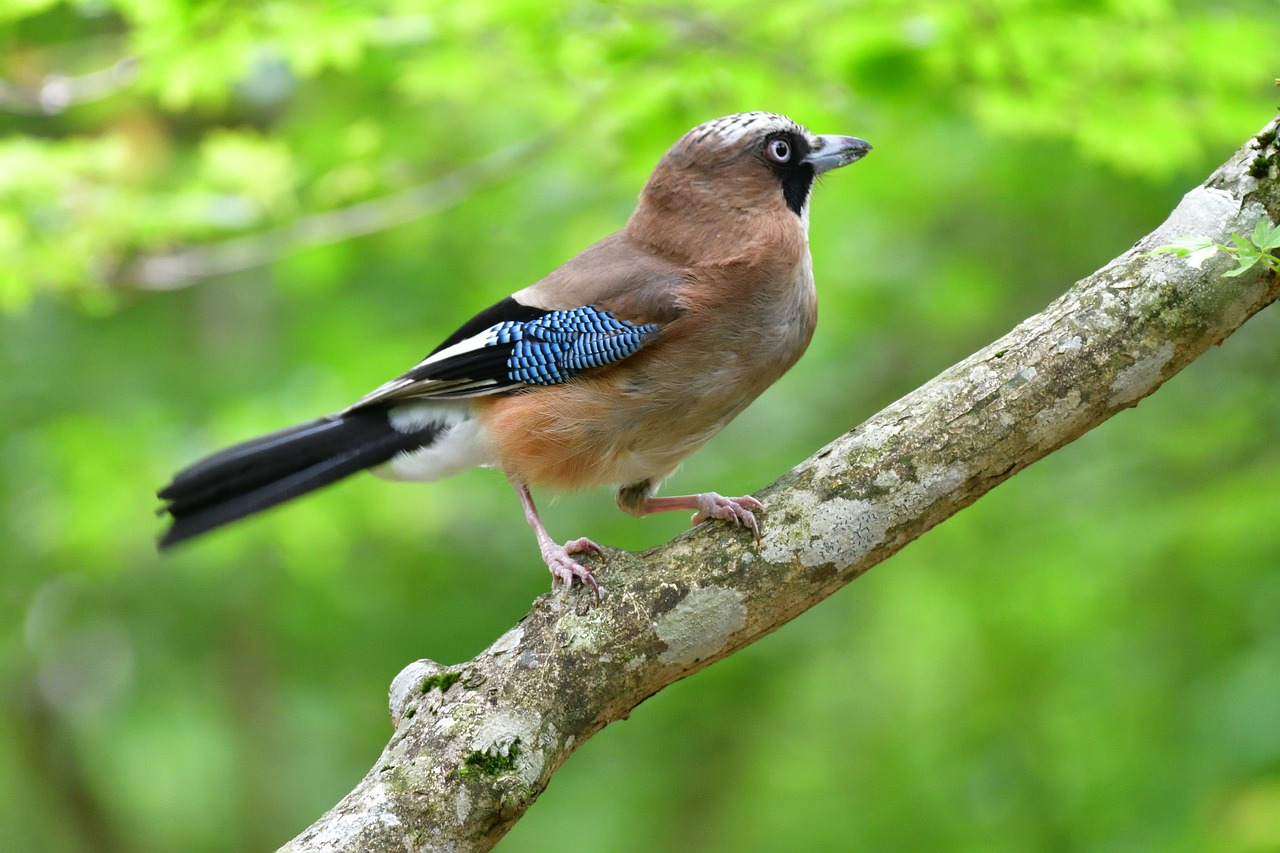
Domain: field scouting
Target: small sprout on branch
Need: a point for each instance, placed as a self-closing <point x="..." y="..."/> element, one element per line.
<point x="1248" y="252"/>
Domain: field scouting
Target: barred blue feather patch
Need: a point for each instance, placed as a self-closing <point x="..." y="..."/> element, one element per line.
<point x="557" y="345"/>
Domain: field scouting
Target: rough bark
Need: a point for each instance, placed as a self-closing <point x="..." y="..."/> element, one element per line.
<point x="475" y="744"/>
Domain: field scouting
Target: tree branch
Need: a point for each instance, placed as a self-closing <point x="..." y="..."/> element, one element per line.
<point x="59" y="92"/>
<point x="475" y="744"/>
<point x="187" y="266"/>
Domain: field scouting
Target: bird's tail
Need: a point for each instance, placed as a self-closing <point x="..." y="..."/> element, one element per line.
<point x="258" y="474"/>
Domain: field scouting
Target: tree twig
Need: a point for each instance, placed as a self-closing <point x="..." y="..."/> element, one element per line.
<point x="58" y="92"/>
<point x="475" y="744"/>
<point x="185" y="267"/>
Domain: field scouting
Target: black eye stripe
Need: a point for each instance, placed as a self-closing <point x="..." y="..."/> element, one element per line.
<point x="794" y="173"/>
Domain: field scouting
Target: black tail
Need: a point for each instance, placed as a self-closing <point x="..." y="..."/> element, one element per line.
<point x="266" y="471"/>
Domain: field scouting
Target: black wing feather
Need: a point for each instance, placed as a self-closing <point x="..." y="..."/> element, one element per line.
<point x="258" y="474"/>
<point x="507" y="310"/>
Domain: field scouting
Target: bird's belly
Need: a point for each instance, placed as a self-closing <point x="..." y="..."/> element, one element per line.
<point x="641" y="456"/>
<point x="583" y="435"/>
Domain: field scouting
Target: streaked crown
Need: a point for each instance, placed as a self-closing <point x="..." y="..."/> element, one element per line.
<point x="732" y="129"/>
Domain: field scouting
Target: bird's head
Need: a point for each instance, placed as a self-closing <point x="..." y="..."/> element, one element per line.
<point x="741" y="167"/>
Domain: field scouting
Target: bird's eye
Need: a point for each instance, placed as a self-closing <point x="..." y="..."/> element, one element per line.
<point x="778" y="150"/>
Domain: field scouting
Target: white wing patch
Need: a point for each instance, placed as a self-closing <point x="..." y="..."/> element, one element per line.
<point x="477" y="341"/>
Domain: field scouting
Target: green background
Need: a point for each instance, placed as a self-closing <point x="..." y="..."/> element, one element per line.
<point x="1087" y="659"/>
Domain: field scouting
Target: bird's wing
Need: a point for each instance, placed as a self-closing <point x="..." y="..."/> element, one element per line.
<point x="601" y="307"/>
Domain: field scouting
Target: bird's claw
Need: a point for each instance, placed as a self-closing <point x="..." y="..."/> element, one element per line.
<point x="737" y="510"/>
<point x="584" y="546"/>
<point x="564" y="568"/>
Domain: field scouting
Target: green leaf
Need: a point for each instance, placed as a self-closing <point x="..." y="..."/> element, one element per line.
<point x="1184" y="246"/>
<point x="1260" y="231"/>
<point x="1269" y="239"/>
<point x="1245" y="247"/>
<point x="1245" y="265"/>
<point x="1199" y="256"/>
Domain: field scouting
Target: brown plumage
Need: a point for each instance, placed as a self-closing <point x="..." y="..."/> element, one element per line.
<point x="610" y="371"/>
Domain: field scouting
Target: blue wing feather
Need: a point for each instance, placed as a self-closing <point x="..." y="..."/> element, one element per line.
<point x="557" y="346"/>
<point x="546" y="350"/>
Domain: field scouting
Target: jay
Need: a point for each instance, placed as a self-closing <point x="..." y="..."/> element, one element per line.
<point x="609" y="371"/>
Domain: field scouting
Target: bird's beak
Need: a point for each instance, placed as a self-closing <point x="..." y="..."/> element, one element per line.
<point x="832" y="152"/>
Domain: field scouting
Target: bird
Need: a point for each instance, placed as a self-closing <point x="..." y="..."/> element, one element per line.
<point x="609" y="371"/>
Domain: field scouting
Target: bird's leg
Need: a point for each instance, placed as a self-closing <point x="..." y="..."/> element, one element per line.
<point x="563" y="567"/>
<point x="709" y="505"/>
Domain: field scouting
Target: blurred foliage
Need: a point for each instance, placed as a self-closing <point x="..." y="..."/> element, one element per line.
<point x="1089" y="658"/>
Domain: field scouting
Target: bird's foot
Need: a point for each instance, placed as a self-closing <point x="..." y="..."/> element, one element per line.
<point x="737" y="510"/>
<point x="564" y="568"/>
